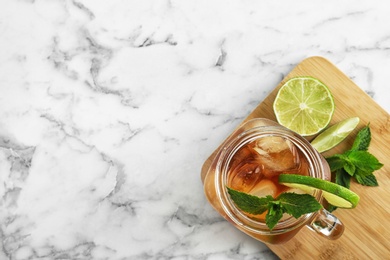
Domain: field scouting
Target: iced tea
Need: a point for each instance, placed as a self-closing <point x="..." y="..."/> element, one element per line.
<point x="255" y="167"/>
<point x="250" y="161"/>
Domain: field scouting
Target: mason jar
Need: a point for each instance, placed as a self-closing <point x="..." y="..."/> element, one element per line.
<point x="216" y="180"/>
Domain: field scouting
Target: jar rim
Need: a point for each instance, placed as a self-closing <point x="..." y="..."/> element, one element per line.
<point x="228" y="151"/>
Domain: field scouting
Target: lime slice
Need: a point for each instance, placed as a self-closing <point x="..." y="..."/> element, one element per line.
<point x="335" y="194"/>
<point x="304" y="105"/>
<point x="334" y="134"/>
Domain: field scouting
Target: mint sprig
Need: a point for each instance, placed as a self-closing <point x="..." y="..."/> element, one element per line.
<point x="356" y="163"/>
<point x="363" y="139"/>
<point x="291" y="203"/>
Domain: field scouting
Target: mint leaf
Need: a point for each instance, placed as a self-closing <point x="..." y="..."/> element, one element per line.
<point x="364" y="161"/>
<point x="298" y="204"/>
<point x="342" y="178"/>
<point x="360" y="172"/>
<point x="291" y="203"/>
<point x="368" y="180"/>
<point x="336" y="161"/>
<point x="331" y="208"/>
<point x="349" y="167"/>
<point x="249" y="203"/>
<point x="275" y="213"/>
<point x="362" y="140"/>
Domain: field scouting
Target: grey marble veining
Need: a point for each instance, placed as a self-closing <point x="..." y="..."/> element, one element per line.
<point x="108" y="110"/>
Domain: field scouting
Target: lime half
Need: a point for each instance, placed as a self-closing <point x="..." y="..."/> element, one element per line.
<point x="335" y="194"/>
<point x="334" y="134"/>
<point x="304" y="105"/>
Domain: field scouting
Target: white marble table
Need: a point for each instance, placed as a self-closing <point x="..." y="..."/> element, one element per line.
<point x="108" y="110"/>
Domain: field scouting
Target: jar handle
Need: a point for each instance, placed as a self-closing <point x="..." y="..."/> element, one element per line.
<point x="327" y="225"/>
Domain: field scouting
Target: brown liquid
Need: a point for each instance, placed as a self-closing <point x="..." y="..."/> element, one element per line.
<point x="255" y="167"/>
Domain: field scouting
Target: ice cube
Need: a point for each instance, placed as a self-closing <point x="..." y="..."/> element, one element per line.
<point x="264" y="188"/>
<point x="272" y="144"/>
<point x="242" y="155"/>
<point x="276" y="155"/>
<point x="245" y="175"/>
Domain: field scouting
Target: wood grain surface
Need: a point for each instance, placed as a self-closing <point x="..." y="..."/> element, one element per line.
<point x="367" y="227"/>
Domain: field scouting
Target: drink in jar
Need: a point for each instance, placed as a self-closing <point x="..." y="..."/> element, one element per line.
<point x="250" y="160"/>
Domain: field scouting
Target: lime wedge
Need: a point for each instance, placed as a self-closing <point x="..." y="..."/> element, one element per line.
<point x="304" y="105"/>
<point x="335" y="194"/>
<point x="334" y="134"/>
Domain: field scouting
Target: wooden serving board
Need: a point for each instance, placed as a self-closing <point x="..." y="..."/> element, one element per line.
<point x="367" y="227"/>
